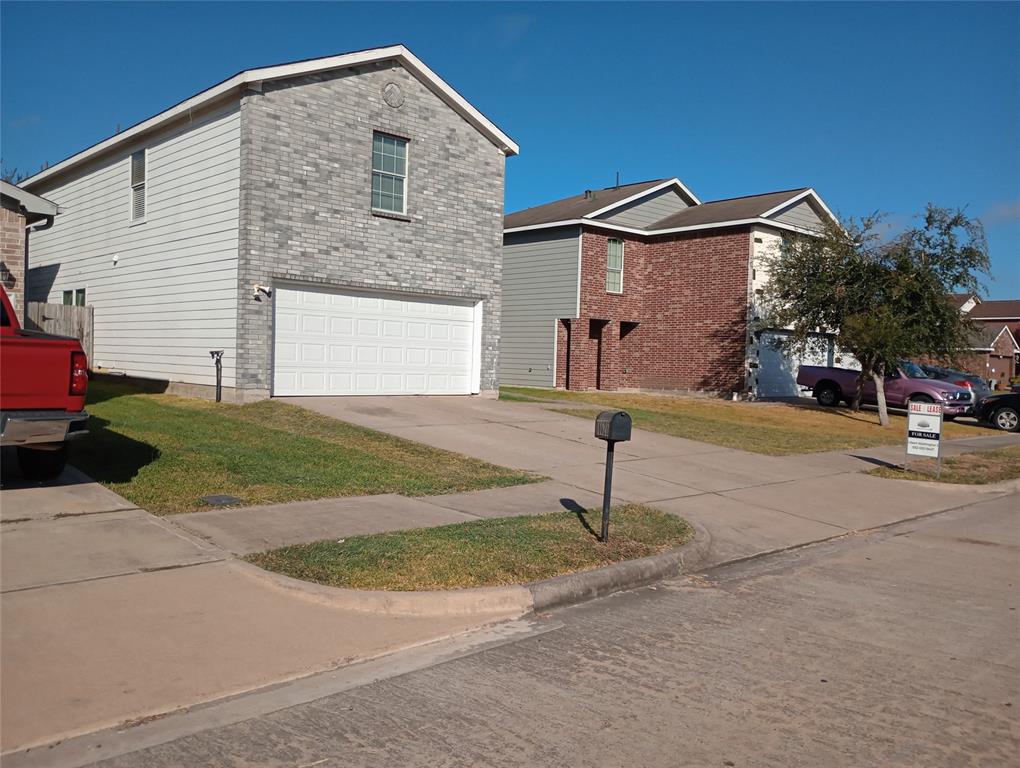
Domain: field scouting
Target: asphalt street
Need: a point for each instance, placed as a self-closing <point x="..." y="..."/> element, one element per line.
<point x="893" y="648"/>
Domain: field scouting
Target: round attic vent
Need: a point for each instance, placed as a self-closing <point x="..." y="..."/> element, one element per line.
<point x="392" y="95"/>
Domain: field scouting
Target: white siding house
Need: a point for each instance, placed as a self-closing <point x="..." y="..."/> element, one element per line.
<point x="250" y="218"/>
<point x="164" y="284"/>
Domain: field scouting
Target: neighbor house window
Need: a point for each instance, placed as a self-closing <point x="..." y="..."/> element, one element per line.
<point x="389" y="173"/>
<point x="75" y="297"/>
<point x="614" y="266"/>
<point x="138" y="185"/>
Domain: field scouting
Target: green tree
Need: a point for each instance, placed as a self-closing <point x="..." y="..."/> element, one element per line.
<point x="888" y="300"/>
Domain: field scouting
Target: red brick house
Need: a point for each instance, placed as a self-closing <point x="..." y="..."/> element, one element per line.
<point x="644" y="286"/>
<point x="996" y="352"/>
<point x="19" y="210"/>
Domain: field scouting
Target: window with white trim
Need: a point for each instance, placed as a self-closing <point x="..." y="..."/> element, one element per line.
<point x="138" y="162"/>
<point x="614" y="265"/>
<point x="389" y="173"/>
<point x="75" y="297"/>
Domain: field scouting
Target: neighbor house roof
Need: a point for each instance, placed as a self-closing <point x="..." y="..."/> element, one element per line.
<point x="731" y="209"/>
<point x="254" y="77"/>
<point x="591" y="202"/>
<point x="960" y="300"/>
<point x="984" y="337"/>
<point x="1005" y="309"/>
<point x="585" y="208"/>
<point x="33" y="206"/>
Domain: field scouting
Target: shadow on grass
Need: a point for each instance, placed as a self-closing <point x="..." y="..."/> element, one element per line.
<point x="104" y="387"/>
<point x="108" y="456"/>
<point x="572" y="506"/>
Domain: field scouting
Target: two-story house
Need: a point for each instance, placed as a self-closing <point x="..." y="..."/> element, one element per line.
<point x="645" y="286"/>
<point x="333" y="225"/>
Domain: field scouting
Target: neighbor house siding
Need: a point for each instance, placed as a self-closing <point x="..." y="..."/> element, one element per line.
<point x="646" y="211"/>
<point x="539" y="287"/>
<point x="800" y="215"/>
<point x="306" y="198"/>
<point x="170" y="297"/>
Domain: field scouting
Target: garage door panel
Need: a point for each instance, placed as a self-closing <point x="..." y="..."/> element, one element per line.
<point x="777" y="366"/>
<point x="331" y="342"/>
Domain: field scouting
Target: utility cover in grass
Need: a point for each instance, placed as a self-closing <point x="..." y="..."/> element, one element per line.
<point x="483" y="553"/>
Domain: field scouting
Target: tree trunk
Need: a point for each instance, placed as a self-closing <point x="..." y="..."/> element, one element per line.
<point x="883" y="411"/>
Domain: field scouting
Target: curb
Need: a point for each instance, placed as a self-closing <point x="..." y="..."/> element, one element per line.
<point x="498" y="602"/>
<point x="629" y="574"/>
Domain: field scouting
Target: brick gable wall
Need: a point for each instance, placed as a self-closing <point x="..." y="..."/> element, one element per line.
<point x="688" y="295"/>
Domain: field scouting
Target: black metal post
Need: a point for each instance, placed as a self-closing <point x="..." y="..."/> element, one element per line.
<point x="607" y="491"/>
<point x="217" y="356"/>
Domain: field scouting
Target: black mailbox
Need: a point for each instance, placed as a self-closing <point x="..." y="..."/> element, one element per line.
<point x="613" y="426"/>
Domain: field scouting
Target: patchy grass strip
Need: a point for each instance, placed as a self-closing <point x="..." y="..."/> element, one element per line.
<point x="163" y="453"/>
<point x="512" y="550"/>
<point x="776" y="429"/>
<point x="978" y="468"/>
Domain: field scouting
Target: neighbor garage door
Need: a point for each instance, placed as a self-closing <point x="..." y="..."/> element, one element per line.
<point x="333" y="342"/>
<point x="777" y="367"/>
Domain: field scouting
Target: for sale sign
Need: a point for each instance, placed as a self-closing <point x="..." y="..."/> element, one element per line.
<point x="924" y="429"/>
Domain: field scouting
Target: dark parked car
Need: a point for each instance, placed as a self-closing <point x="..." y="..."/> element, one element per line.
<point x="1002" y="411"/>
<point x="961" y="379"/>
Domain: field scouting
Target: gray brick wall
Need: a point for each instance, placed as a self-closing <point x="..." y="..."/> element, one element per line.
<point x="306" y="155"/>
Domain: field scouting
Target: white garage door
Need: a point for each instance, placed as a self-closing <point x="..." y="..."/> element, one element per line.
<point x="332" y="342"/>
<point x="777" y="367"/>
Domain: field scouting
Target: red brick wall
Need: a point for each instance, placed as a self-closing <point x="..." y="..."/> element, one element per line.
<point x="12" y="257"/>
<point x="688" y="294"/>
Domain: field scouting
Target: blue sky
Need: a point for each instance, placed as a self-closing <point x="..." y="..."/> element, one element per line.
<point x="877" y="106"/>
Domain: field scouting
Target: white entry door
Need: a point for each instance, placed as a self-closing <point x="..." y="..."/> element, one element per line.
<point x="337" y="342"/>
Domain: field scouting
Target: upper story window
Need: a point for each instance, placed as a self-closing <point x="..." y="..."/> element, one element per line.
<point x="138" y="162"/>
<point x="614" y="265"/>
<point x="389" y="173"/>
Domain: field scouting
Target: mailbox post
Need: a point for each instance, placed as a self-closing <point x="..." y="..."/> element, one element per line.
<point x="613" y="427"/>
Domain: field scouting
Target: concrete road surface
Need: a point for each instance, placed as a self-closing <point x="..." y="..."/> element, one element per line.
<point x="893" y="648"/>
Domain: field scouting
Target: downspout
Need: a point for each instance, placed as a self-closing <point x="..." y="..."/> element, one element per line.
<point x="36" y="227"/>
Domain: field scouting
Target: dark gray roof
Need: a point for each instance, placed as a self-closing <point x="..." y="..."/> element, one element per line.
<point x="716" y="211"/>
<point x="577" y="206"/>
<point x="732" y="209"/>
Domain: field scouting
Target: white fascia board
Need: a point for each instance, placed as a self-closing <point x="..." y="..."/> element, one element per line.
<point x="806" y="193"/>
<point x="1007" y="318"/>
<point x="255" y="77"/>
<point x="30" y="202"/>
<point x="645" y="193"/>
<point x="653" y="232"/>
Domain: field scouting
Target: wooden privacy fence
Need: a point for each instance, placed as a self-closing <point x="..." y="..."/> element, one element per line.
<point x="63" y="320"/>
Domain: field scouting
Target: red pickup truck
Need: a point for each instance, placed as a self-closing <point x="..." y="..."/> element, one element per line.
<point x="42" y="394"/>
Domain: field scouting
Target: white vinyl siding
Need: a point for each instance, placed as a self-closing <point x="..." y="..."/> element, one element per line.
<point x="171" y="294"/>
<point x="389" y="173"/>
<point x="138" y="186"/>
<point x="614" y="266"/>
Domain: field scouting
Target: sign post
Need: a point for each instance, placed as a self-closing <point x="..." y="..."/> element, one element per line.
<point x="924" y="432"/>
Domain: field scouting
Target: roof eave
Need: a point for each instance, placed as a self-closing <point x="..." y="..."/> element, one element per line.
<point x="397" y="52"/>
<point x="657" y="232"/>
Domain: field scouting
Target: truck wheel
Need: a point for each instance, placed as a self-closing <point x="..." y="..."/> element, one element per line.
<point x="1007" y="419"/>
<point x="828" y="395"/>
<point x="41" y="464"/>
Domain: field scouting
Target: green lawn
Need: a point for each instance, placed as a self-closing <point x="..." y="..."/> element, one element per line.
<point x="772" y="428"/>
<point x="975" y="468"/>
<point x="512" y="550"/>
<point x="164" y="452"/>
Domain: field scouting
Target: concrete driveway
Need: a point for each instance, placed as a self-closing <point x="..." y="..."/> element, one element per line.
<point x="748" y="503"/>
